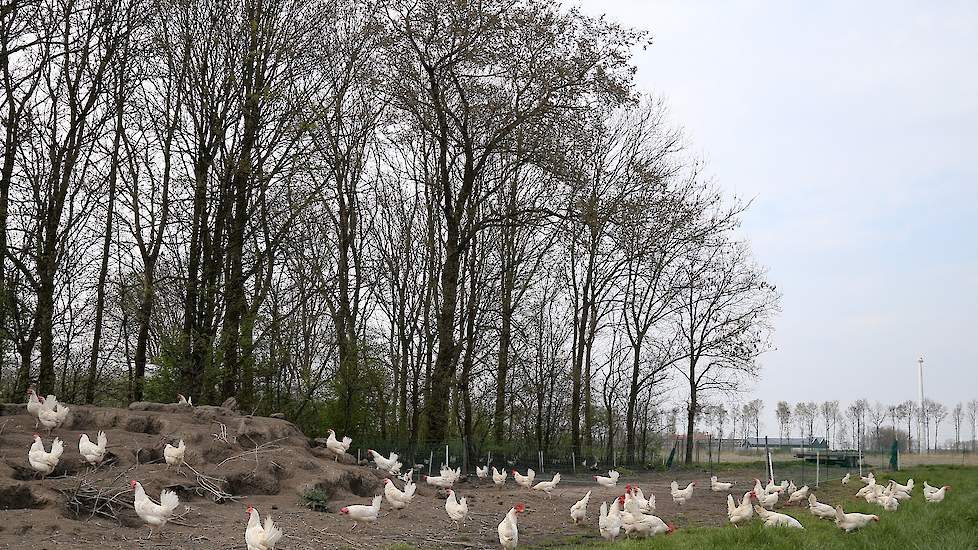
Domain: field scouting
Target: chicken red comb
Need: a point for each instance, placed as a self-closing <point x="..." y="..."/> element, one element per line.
<point x="250" y="509"/>
<point x="670" y="529"/>
<point x="344" y="510"/>
<point x="36" y="434"/>
<point x="519" y="507"/>
<point x="132" y="483"/>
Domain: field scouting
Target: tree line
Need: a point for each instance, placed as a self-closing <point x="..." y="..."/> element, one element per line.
<point x="412" y="220"/>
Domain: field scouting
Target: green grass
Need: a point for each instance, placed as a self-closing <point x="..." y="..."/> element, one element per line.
<point x="950" y="525"/>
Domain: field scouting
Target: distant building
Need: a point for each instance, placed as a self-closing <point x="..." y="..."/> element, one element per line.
<point x="785" y="443"/>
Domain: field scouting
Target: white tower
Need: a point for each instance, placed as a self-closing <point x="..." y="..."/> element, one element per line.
<point x="920" y="403"/>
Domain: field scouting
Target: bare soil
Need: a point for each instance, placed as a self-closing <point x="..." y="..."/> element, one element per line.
<point x="36" y="514"/>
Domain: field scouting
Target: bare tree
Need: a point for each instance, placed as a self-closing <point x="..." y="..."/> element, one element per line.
<point x="783" y="413"/>
<point x="724" y="306"/>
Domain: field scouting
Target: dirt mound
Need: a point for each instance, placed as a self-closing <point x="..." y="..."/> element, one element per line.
<point x="228" y="452"/>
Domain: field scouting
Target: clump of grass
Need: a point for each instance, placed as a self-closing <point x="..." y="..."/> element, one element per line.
<point x="315" y="499"/>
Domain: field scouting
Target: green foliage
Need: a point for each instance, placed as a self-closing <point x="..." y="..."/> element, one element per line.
<point x="315" y="499"/>
<point x="162" y="385"/>
<point x="950" y="525"/>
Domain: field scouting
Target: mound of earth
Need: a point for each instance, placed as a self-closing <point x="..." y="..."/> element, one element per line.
<point x="229" y="457"/>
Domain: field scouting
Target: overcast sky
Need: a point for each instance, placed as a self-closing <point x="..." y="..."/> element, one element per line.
<point x="854" y="127"/>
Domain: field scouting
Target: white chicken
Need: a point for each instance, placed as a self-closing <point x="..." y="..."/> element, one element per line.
<point x="406" y="476"/>
<point x="719" y="486"/>
<point x="634" y="521"/>
<point x="739" y="513"/>
<point x="846" y="478"/>
<point x="336" y="447"/>
<point x="52" y="414"/>
<point x="482" y="472"/>
<point x="548" y="486"/>
<point x="646" y="504"/>
<point x="820" y="510"/>
<point x="775" y="519"/>
<point x="174" y="455"/>
<point x="92" y="453"/>
<point x="259" y="537"/>
<point x="399" y="499"/>
<point x="682" y="496"/>
<point x="499" y="478"/>
<point x="44" y="462"/>
<point x="888" y="502"/>
<point x="153" y="514"/>
<point x="928" y="488"/>
<point x="766" y="500"/>
<point x="853" y="521"/>
<point x="609" y="522"/>
<point x="633" y="492"/>
<point x="456" y="508"/>
<point x="187" y="402"/>
<point x="524" y="481"/>
<point x="937" y="495"/>
<point x="578" y="512"/>
<point x="361" y="513"/>
<point x="34" y="405"/>
<point x="607" y="481"/>
<point x="869" y="479"/>
<point x="908" y="488"/>
<point x="776" y="488"/>
<point x="798" y="495"/>
<point x="389" y="465"/>
<point x="868" y="488"/>
<point x="442" y="481"/>
<point x="508" y="531"/>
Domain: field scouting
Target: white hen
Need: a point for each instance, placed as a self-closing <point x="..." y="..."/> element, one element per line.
<point x="578" y="512"/>
<point x="682" y="496"/>
<point x="174" y="456"/>
<point x="92" y="453"/>
<point x="937" y="495"/>
<point x="361" y="513"/>
<point x="608" y="481"/>
<point x="719" y="486"/>
<point x="739" y="513"/>
<point x="852" y="522"/>
<point x="499" y="478"/>
<point x="524" y="481"/>
<point x="456" y="508"/>
<point x="34" y="406"/>
<point x="336" y="447"/>
<point x="609" y="522"/>
<point x="548" y="486"/>
<point x="508" y="530"/>
<point x="44" y="462"/>
<point x="775" y="519"/>
<point x="52" y="414"/>
<point x="482" y="472"/>
<point x="259" y="537"/>
<point x="820" y="510"/>
<point x="153" y="514"/>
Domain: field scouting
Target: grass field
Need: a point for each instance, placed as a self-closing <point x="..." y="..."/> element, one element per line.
<point x="950" y="525"/>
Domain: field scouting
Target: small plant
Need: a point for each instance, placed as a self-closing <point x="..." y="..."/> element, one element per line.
<point x="315" y="499"/>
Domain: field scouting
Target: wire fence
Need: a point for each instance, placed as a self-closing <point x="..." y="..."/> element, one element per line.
<point x="804" y="465"/>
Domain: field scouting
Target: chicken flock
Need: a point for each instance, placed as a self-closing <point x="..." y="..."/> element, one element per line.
<point x="631" y="514"/>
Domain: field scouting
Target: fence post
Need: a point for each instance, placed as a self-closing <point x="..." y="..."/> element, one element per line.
<point x="574" y="461"/>
<point x="465" y="455"/>
<point x="540" y="460"/>
<point x="431" y="460"/>
<point x="818" y="467"/>
<point x="804" y="458"/>
<point x="489" y="458"/>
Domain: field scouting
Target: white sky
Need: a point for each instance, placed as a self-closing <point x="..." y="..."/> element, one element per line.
<point x="854" y="127"/>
